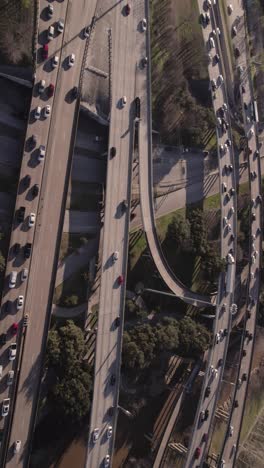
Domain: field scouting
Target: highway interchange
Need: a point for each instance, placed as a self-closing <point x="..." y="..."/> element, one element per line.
<point x="27" y="324"/>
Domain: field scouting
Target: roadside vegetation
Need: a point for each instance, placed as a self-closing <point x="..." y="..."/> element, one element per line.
<point x="182" y="107"/>
<point x="66" y="393"/>
<point x="16" y="31"/>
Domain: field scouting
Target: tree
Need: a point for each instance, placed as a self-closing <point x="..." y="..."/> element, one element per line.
<point x="178" y="230"/>
<point x="2" y="263"/>
<point x="71" y="301"/>
<point x="133" y="357"/>
<point x="66" y="350"/>
<point x="144" y="339"/>
<point x="212" y="265"/>
<point x="194" y="338"/>
<point x="167" y="337"/>
<point x="198" y="232"/>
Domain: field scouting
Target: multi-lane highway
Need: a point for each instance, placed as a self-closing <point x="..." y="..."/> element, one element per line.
<point x="57" y="134"/>
<point x="223" y="319"/>
<point x="127" y="35"/>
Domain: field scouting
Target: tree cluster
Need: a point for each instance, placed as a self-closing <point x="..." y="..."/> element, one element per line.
<point x="143" y="343"/>
<point x="66" y="350"/>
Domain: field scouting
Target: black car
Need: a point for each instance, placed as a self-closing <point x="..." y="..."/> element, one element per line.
<point x="113" y="151"/>
<point x="74" y="92"/>
<point x="206" y="414"/>
<point x="216" y="58"/>
<point x="33" y="141"/>
<point x="244" y="353"/>
<point x="117" y="321"/>
<point x="248" y="314"/>
<point x="125" y="205"/>
<point x="35" y="190"/>
<point x="244" y="377"/>
<point x="21" y="214"/>
<point x="237" y="52"/>
<point x="27" y="180"/>
<point x="245" y="106"/>
<point x="3" y="338"/>
<point x="27" y="250"/>
<point x="243" y="89"/>
<point x="236" y="404"/>
<point x="137" y="105"/>
<point x="16" y="248"/>
<point x="220" y="362"/>
<point x="225" y="333"/>
<point x="207" y="391"/>
<point x="113" y="379"/>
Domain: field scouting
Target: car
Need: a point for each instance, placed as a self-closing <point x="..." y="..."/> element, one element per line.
<point x="197" y="452"/>
<point x="237" y="52"/>
<point x="231" y="431"/>
<point x="206" y="414"/>
<point x="113" y="151"/>
<point x="207" y="391"/>
<point x="60" y="26"/>
<point x="220" y="79"/>
<point x="21" y="214"/>
<point x="127" y="9"/>
<point x="115" y="256"/>
<point x="216" y="58"/>
<point x="230" y="259"/>
<point x="202" y="416"/>
<point x="202" y="18"/>
<point x="55" y="61"/>
<point x="205" y="437"/>
<point x="232" y="191"/>
<point x="120" y="279"/>
<point x="213" y="86"/>
<point x="208" y="3"/>
<point x="124" y="205"/>
<point x="244" y="377"/>
<point x="123" y="101"/>
<point x="20" y="302"/>
<point x="253" y="216"/>
<point x="12" y="351"/>
<point x="211" y="43"/>
<point x="3" y="338"/>
<point x="217" y="338"/>
<point x="225" y="332"/>
<point x="31" y="220"/>
<point x="207" y="18"/>
<point x="253" y="201"/>
<point x="109" y="432"/>
<point x="1" y="372"/>
<point x="16" y="248"/>
<point x="113" y="379"/>
<point x="5" y="407"/>
<point x="35" y="190"/>
<point x="51" y="88"/>
<point x="47" y="111"/>
<point x="42" y="152"/>
<point x="220" y="362"/>
<point x="224" y="307"/>
<point x="14" y="328"/>
<point x="24" y="274"/>
<point x="26" y="181"/>
<point x="251" y="133"/>
<point x="49" y="11"/>
<point x="41" y="86"/>
<point x="37" y="113"/>
<point x="222" y="464"/>
<point x="215" y="373"/>
<point x="50" y="33"/>
<point x="232" y="237"/>
<point x="234" y="30"/>
<point x="32" y="141"/>
<point x="259" y="199"/>
<point x="117" y="321"/>
<point x="45" y="51"/>
<point x="230" y="9"/>
<point x="87" y="32"/>
<point x="12" y="279"/>
<point x="144" y="62"/>
<point x="144" y="24"/>
<point x="71" y="60"/>
<point x="224" y="187"/>
<point x="244" y="353"/>
<point x="74" y="92"/>
<point x="10" y="377"/>
<point x="236" y="404"/>
<point x="250" y="336"/>
<point x="25" y="320"/>
<point x="225" y="220"/>
<point x="17" y="446"/>
<point x="27" y="250"/>
<point x="107" y="461"/>
<point x="95" y="434"/>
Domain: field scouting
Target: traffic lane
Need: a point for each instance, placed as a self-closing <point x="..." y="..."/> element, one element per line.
<point x="50" y="190"/>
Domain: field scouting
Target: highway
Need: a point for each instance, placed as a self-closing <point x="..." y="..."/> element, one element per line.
<point x="223" y="319"/>
<point x="126" y="43"/>
<point x="231" y="442"/>
<point x="57" y="134"/>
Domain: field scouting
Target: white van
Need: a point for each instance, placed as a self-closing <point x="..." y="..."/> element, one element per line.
<point x="12" y="279"/>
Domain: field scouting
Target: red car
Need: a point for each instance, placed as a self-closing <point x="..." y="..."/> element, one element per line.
<point x="127" y="9"/>
<point x="197" y="452"/>
<point x="14" y="328"/>
<point x="45" y="51"/>
<point x="120" y="279"/>
<point x="51" y="90"/>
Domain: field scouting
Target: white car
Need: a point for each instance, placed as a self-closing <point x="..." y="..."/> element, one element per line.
<point x="215" y="373"/>
<point x="225" y="221"/>
<point x="5" y="407"/>
<point x="20" y="302"/>
<point x="12" y="351"/>
<point x="251" y="133"/>
<point x="123" y="101"/>
<point x="47" y="111"/>
<point x="234" y="30"/>
<point x="230" y="9"/>
<point x="60" y="26"/>
<point x="17" y="446"/>
<point x="211" y="43"/>
<point x="95" y="435"/>
<point x="106" y="461"/>
<point x="231" y="431"/>
<point x="42" y="151"/>
<point x="115" y="256"/>
<point x="71" y="60"/>
<point x="50" y="11"/>
<point x="144" y="24"/>
<point x="37" y="113"/>
<point x="217" y="338"/>
<point x="41" y="86"/>
<point x="31" y="219"/>
<point x="220" y="79"/>
<point x="24" y="274"/>
<point x="10" y="377"/>
<point x="229" y="228"/>
<point x="55" y="61"/>
<point x="51" y="33"/>
<point x="109" y="432"/>
<point x="87" y="32"/>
